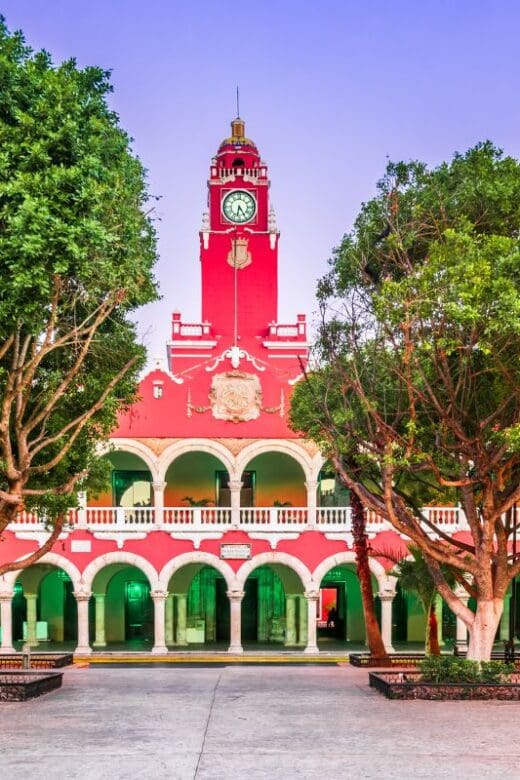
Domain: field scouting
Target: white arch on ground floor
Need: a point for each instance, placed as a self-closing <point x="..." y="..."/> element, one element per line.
<point x="275" y="559"/>
<point x="119" y="556"/>
<point x="52" y="559"/>
<point x="135" y="448"/>
<point x="178" y="448"/>
<point x="196" y="557"/>
<point x="282" y="446"/>
<point x="384" y="581"/>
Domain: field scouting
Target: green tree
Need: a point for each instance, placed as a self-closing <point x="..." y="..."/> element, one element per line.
<point x="415" y="577"/>
<point x="417" y="367"/>
<point x="76" y="256"/>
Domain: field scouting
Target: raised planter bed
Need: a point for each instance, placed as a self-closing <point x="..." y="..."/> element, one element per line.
<point x="409" y="685"/>
<point x="37" y="660"/>
<point x="21" y="685"/>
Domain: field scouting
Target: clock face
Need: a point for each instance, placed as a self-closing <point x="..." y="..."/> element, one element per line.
<point x="239" y="206"/>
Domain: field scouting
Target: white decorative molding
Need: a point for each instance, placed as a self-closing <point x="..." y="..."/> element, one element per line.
<point x="285" y="344"/>
<point x="296" y="378"/>
<point x="197" y="537"/>
<point x="39" y="536"/>
<point x="273" y="537"/>
<point x="235" y="354"/>
<point x="119" y="537"/>
<point x="344" y="536"/>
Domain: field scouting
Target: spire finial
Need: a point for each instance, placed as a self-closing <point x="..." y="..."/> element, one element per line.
<point x="238" y="103"/>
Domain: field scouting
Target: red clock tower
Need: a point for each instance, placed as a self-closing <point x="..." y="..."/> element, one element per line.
<point x="231" y="374"/>
<point x="239" y="241"/>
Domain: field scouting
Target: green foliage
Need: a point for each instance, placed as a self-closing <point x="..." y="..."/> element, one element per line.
<point x="449" y="669"/>
<point x="77" y="249"/>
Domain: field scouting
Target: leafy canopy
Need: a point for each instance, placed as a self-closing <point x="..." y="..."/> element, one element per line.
<point x="76" y="255"/>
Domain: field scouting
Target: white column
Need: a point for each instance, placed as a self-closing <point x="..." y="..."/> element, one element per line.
<point x="159" y="600"/>
<point x="100" y="639"/>
<point x="235" y="486"/>
<point x="461" y="635"/>
<point x="290" y="620"/>
<point x="168" y="621"/>
<point x="30" y="599"/>
<point x="82" y="600"/>
<point x="158" y="502"/>
<point x="181" y="599"/>
<point x="312" y="601"/>
<point x="504" y="620"/>
<point x="235" y="604"/>
<point x="387" y="599"/>
<point x="82" y="509"/>
<point x="6" y="621"/>
<point x="312" y="487"/>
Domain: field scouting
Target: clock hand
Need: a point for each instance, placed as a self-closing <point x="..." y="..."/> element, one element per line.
<point x="240" y="211"/>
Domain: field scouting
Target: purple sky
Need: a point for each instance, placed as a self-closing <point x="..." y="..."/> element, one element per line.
<point x="328" y="91"/>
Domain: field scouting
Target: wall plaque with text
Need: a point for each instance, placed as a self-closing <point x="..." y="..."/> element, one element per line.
<point x="235" y="551"/>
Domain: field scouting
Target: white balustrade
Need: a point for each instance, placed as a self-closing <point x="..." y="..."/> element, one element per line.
<point x="278" y="519"/>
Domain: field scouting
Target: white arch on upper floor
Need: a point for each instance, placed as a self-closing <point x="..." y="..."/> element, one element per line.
<point x="196" y="557"/>
<point x="135" y="448"/>
<point x="52" y="559"/>
<point x="119" y="556"/>
<point x="283" y="446"/>
<point x="274" y="558"/>
<point x="178" y="448"/>
<point x="349" y="556"/>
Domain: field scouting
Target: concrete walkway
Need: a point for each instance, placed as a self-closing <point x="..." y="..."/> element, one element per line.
<point x="248" y="723"/>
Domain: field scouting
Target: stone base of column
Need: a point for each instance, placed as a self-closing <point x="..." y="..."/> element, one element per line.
<point x="7" y="650"/>
<point x="311" y="650"/>
<point x="83" y="650"/>
<point x="235" y="649"/>
<point x="389" y="649"/>
<point x="99" y="644"/>
<point x="461" y="646"/>
<point x="159" y="650"/>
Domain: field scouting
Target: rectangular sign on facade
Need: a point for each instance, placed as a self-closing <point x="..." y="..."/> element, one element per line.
<point x="235" y="551"/>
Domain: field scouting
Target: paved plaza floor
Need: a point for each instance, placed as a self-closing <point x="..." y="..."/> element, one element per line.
<point x="250" y="722"/>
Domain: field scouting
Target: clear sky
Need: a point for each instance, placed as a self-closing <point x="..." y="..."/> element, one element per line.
<point x="329" y="90"/>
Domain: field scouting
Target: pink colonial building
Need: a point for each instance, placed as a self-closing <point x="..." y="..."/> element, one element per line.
<point x="222" y="527"/>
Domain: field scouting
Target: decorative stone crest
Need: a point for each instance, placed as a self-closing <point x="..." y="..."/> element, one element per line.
<point x="239" y="256"/>
<point x="236" y="396"/>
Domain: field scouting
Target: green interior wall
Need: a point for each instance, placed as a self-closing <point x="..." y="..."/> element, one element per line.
<point x="115" y="604"/>
<point x="416" y="624"/>
<point x="192" y="474"/>
<point x="51" y="603"/>
<point x="123" y="461"/>
<point x="278" y="478"/>
<point x="202" y="601"/>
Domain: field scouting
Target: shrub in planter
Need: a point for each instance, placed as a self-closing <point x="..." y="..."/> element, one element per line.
<point x="449" y="669"/>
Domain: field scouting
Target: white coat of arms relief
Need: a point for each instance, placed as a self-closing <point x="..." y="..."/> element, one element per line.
<point x="235" y="396"/>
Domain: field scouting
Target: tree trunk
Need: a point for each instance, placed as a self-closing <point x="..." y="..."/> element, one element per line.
<point x="483" y="631"/>
<point x="432" y="631"/>
<point x="373" y="633"/>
